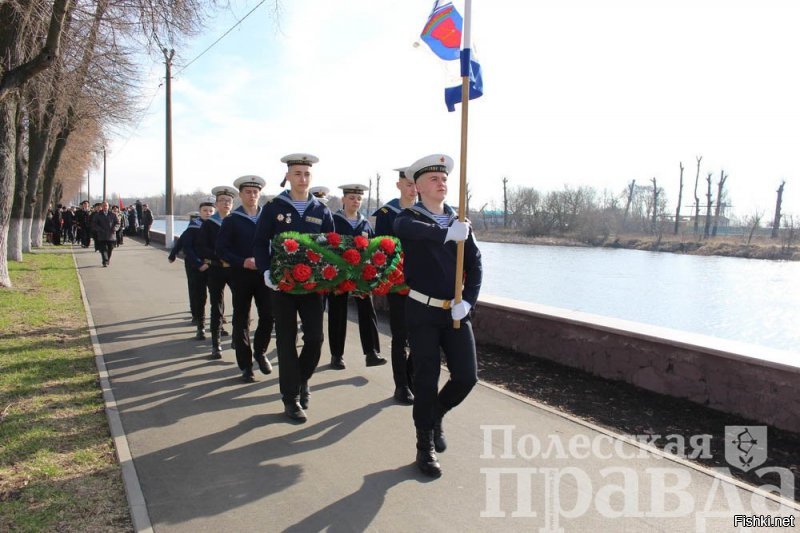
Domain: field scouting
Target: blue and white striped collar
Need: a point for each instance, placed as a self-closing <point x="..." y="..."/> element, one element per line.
<point x="286" y="196"/>
<point x="242" y="213"/>
<point x="216" y="218"/>
<point x="392" y="205"/>
<point x="420" y="208"/>
<point x="340" y="213"/>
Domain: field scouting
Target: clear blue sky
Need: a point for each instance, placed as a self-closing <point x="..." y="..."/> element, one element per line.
<point x="577" y="92"/>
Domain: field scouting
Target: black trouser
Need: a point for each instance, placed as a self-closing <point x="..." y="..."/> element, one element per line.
<point x="337" y="324"/>
<point x="146" y="234"/>
<point x="197" y="283"/>
<point x="402" y="366"/>
<point x="86" y="237"/>
<point x="119" y="237"/>
<point x="218" y="277"/>
<point x="429" y="330"/>
<point x="246" y="286"/>
<point x="105" y="248"/>
<point x="293" y="368"/>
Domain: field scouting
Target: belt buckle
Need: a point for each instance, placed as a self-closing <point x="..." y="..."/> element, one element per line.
<point x="446" y="304"/>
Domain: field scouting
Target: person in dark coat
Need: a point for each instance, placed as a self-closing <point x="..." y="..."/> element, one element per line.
<point x="104" y="224"/>
<point x="218" y="276"/>
<point x="428" y="232"/>
<point x="56" y="221"/>
<point x="84" y="224"/>
<point x="146" y="221"/>
<point x="294" y="210"/>
<point x="348" y="221"/>
<point x="235" y="248"/>
<point x="402" y="365"/>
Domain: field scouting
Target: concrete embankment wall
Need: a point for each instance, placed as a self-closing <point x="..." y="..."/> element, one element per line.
<point x="755" y="382"/>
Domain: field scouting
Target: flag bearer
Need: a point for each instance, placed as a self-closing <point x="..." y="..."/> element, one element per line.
<point x="294" y="209"/>
<point x="428" y="232"/>
<point x="384" y="225"/>
<point x="348" y="221"/>
<point x="218" y="276"/>
<point x="235" y="249"/>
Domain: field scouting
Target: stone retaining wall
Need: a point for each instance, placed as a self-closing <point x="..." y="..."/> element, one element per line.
<point x="755" y="382"/>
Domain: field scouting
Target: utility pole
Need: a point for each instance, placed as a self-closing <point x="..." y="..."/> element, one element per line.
<point x="378" y="190"/>
<point x="89" y="187"/>
<point x="105" y="198"/>
<point x="168" y="231"/>
<point x="369" y="197"/>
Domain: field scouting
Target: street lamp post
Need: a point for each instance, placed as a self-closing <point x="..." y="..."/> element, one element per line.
<point x="168" y="218"/>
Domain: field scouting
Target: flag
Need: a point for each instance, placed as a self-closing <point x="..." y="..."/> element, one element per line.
<point x="469" y="67"/>
<point x="442" y="32"/>
<point x="121" y="206"/>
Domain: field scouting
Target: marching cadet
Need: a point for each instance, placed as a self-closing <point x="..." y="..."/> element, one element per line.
<point x="384" y="225"/>
<point x="294" y="210"/>
<point x="218" y="276"/>
<point x="190" y="267"/>
<point x="196" y="268"/>
<point x="348" y="221"/>
<point x="235" y="248"/>
<point x="428" y="232"/>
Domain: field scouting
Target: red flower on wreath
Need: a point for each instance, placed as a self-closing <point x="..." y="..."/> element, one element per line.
<point x="285" y="285"/>
<point x="379" y="258"/>
<point x="301" y="272"/>
<point x="360" y="242"/>
<point x="396" y="277"/>
<point x="334" y="239"/>
<point x="403" y="292"/>
<point x="369" y="272"/>
<point x="387" y="245"/>
<point x="352" y="256"/>
<point x="347" y="285"/>
<point x="382" y="288"/>
<point x="313" y="256"/>
<point x="329" y="272"/>
<point x="310" y="285"/>
<point x="290" y="245"/>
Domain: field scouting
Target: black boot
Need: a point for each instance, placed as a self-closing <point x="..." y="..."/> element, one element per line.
<point x="438" y="433"/>
<point x="337" y="362"/>
<point x="426" y="457"/>
<point x="305" y="394"/>
<point x="374" y="359"/>
<point x="263" y="364"/>
<point x="201" y="330"/>
<point x="293" y="410"/>
<point x="216" y="348"/>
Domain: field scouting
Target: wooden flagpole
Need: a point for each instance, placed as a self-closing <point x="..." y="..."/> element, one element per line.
<point x="462" y="184"/>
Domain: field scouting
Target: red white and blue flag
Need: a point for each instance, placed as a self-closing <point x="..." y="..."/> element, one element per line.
<point x="442" y="32"/>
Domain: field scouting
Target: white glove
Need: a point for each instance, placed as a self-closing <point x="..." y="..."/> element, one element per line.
<point x="459" y="310"/>
<point x="457" y="232"/>
<point x="268" y="282"/>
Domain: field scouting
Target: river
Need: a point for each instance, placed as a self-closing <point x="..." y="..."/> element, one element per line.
<point x="746" y="300"/>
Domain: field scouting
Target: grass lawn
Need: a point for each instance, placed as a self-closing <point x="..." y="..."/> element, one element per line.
<point x="58" y="468"/>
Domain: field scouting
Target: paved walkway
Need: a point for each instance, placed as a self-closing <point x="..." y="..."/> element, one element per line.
<point x="213" y="454"/>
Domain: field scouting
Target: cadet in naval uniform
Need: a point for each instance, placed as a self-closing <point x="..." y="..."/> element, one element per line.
<point x="348" y="221"/>
<point x="294" y="210"/>
<point x="196" y="269"/>
<point x="320" y="192"/>
<point x="235" y="248"/>
<point x="218" y="276"/>
<point x="428" y="232"/>
<point x="402" y="370"/>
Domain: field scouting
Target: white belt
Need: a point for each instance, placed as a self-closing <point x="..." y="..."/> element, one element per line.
<point x="427" y="300"/>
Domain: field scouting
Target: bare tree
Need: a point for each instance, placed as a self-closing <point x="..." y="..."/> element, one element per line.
<point x="655" y="203"/>
<point x="697" y="198"/>
<point x="720" y="187"/>
<point x="505" y="202"/>
<point x="628" y="203"/>
<point x="776" y="221"/>
<point x="680" y="196"/>
<point x="707" y="227"/>
<point x="753" y="222"/>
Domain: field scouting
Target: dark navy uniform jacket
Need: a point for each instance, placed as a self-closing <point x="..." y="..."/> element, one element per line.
<point x="279" y="215"/>
<point x="384" y="217"/>
<point x="235" y="239"/>
<point x="429" y="264"/>
<point x="206" y="242"/>
<point x="187" y="243"/>
<point x="342" y="225"/>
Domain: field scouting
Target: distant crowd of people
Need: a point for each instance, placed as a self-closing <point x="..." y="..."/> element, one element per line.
<point x="105" y="226"/>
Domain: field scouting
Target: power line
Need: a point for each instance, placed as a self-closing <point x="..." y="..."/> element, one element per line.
<point x="141" y="117"/>
<point x="221" y="37"/>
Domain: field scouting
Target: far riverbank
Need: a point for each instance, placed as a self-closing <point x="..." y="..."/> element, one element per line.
<point x="759" y="247"/>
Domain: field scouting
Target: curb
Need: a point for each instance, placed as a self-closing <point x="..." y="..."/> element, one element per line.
<point x="130" y="479"/>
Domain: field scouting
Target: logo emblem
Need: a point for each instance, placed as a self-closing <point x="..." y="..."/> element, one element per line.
<point x="745" y="446"/>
